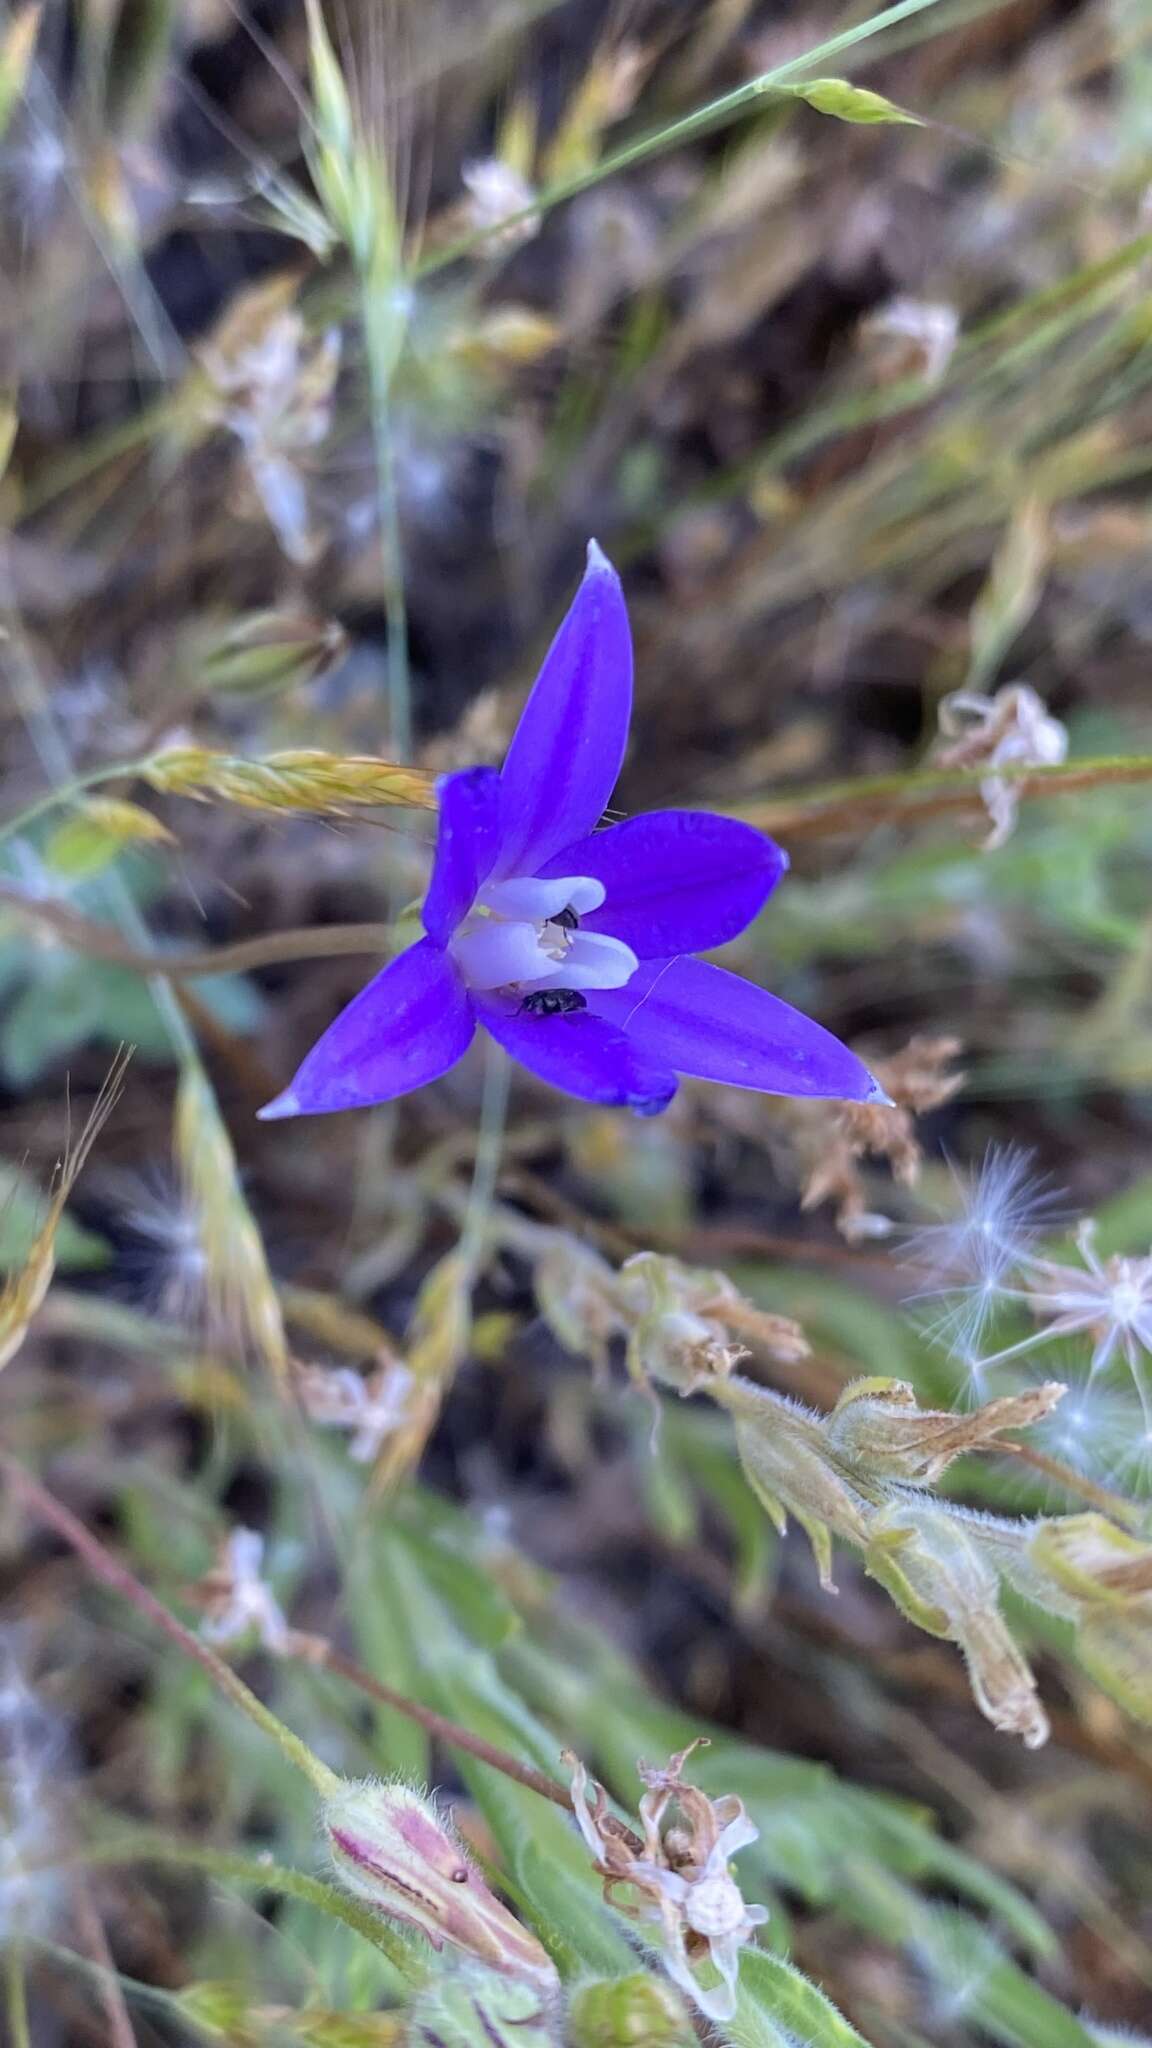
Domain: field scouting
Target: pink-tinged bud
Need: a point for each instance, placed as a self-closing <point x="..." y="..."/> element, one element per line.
<point x="390" y="1846"/>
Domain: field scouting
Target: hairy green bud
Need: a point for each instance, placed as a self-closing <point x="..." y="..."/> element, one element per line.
<point x="641" y="2011"/>
<point x="389" y="1845"/>
<point x="476" y="2008"/>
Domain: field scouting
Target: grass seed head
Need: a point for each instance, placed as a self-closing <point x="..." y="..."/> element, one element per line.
<point x="238" y="1284"/>
<point x="26" y="1286"/>
<point x="332" y="785"/>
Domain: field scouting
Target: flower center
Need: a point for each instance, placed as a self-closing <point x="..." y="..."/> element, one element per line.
<point x="715" y="1907"/>
<point x="524" y="934"/>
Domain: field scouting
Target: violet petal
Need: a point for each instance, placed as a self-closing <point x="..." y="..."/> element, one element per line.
<point x="410" y="1024"/>
<point x="466" y="846"/>
<point x="566" y="751"/>
<point x="698" y="1019"/>
<point x="675" y="881"/>
<point x="581" y="1054"/>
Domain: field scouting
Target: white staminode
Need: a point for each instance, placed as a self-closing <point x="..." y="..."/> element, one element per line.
<point x="512" y="938"/>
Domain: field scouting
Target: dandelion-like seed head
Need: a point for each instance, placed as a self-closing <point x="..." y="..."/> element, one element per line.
<point x="968" y="1259"/>
<point x="1106" y="1299"/>
<point x="167" y="1252"/>
<point x="32" y="1745"/>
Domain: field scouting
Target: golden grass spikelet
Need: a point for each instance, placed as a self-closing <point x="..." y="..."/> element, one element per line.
<point x="25" y="1288"/>
<point x="302" y="780"/>
<point x="96" y="830"/>
<point x="237" y="1282"/>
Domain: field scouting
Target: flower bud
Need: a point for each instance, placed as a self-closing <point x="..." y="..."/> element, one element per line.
<point x="262" y="653"/>
<point x="641" y="2011"/>
<point x="390" y="1846"/>
<point x="475" y="2008"/>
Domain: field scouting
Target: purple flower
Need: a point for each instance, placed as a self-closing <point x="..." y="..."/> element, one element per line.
<point x="573" y="947"/>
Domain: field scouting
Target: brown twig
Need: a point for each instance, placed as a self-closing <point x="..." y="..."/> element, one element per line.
<point x="895" y="799"/>
<point x="109" y="1570"/>
<point x="90" y="1928"/>
<point x="444" y="1730"/>
<point x="101" y="942"/>
<point x="99" y="1560"/>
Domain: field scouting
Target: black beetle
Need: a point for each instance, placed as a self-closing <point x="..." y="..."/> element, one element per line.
<point x="553" y="1002"/>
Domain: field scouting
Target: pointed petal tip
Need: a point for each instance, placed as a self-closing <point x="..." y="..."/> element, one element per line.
<point x="598" y="563"/>
<point x="287" y="1104"/>
<point x="878" y="1097"/>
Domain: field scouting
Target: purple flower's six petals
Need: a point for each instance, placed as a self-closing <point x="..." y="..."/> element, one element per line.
<point x="526" y="897"/>
<point x="582" y="1054"/>
<point x="675" y="881"/>
<point x="466" y="847"/>
<point x="411" y="1023"/>
<point x="566" y="751"/>
<point x="698" y="1019"/>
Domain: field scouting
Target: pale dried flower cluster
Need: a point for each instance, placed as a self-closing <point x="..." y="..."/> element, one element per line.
<point x="370" y="1407"/>
<point x="832" y="1139"/>
<point x="240" y="1607"/>
<point x="273" y="386"/>
<point x="911" y="337"/>
<point x="678" y="1874"/>
<point x="497" y="194"/>
<point x="1014" y="728"/>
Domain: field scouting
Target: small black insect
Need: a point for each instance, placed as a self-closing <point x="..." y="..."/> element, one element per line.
<point x="566" y="919"/>
<point x="553" y="1002"/>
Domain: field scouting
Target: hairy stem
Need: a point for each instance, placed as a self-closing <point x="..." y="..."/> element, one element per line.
<point x="450" y="1732"/>
<point x="102" y="1565"/>
<point x="489" y="1148"/>
<point x="145" y="1846"/>
<point x="89" y="935"/>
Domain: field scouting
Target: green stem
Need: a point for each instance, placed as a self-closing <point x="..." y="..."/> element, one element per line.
<point x="147" y="1847"/>
<point x="391" y="558"/>
<point x="102" y="1565"/>
<point x="16" y="1994"/>
<point x="716" y="114"/>
<point x="65" y="793"/>
<point x="489" y="1149"/>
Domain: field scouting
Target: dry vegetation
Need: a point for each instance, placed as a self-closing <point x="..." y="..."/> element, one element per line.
<point x="353" y="1449"/>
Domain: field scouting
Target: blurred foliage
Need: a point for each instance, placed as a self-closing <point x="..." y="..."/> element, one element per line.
<point x="328" y="338"/>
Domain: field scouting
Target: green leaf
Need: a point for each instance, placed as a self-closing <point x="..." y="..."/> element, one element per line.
<point x="775" y="1992"/>
<point x="22" y="1209"/>
<point x="548" y="1870"/>
<point x="47" y="1020"/>
<point x="988" y="1990"/>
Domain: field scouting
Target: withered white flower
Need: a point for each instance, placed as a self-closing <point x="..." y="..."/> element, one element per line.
<point x="1012" y="729"/>
<point x="236" y="1601"/>
<point x="680" y="1871"/>
<point x="372" y="1408"/>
